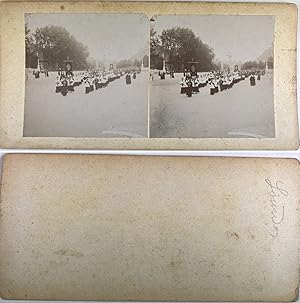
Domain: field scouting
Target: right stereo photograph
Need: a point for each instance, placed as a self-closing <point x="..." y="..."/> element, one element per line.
<point x="211" y="76"/>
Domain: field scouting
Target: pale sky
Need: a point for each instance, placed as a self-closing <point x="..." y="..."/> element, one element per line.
<point x="242" y="37"/>
<point x="109" y="37"/>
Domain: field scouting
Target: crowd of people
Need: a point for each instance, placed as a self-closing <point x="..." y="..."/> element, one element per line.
<point x="91" y="79"/>
<point x="216" y="80"/>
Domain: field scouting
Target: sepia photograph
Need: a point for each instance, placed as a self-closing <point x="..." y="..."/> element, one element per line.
<point x="86" y="75"/>
<point x="211" y="76"/>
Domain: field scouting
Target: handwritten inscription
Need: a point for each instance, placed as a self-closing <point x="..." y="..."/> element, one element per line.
<point x="276" y="193"/>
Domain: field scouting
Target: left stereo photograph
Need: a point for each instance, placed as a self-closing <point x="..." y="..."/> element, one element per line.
<point x="86" y="75"/>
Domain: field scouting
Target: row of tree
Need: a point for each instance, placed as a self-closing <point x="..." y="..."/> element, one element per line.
<point x="178" y="46"/>
<point x="260" y="64"/>
<point x="55" y="44"/>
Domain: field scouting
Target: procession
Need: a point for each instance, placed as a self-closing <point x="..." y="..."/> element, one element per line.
<point x="217" y="81"/>
<point x="78" y="86"/>
<point x="67" y="79"/>
<point x="91" y="80"/>
<point x="216" y="90"/>
<point x="98" y="87"/>
<point x="212" y="104"/>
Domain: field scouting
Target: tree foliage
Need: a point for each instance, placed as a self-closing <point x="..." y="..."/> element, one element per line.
<point x="55" y="44"/>
<point x="156" y="60"/>
<point x="31" y="55"/>
<point x="178" y="46"/>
